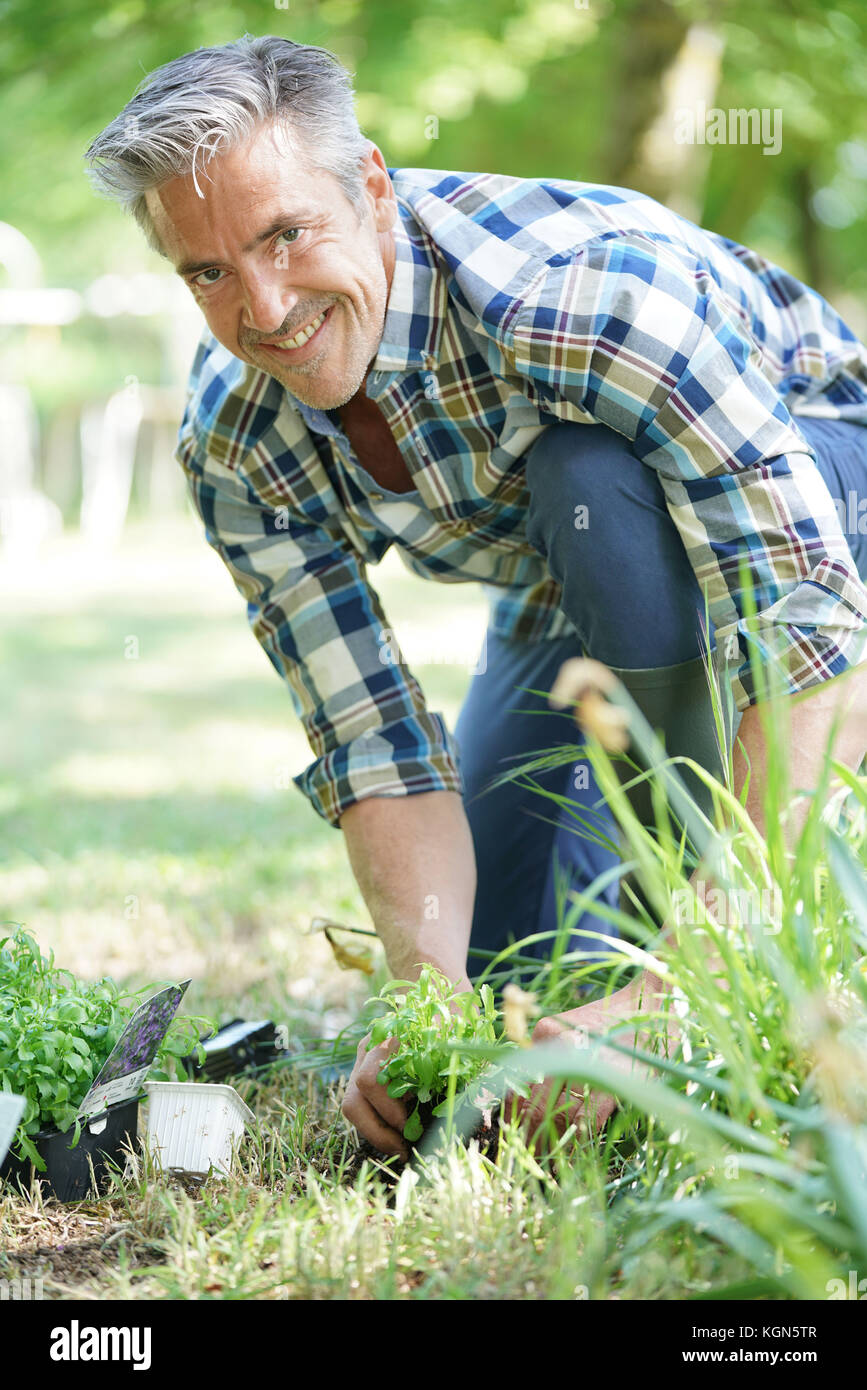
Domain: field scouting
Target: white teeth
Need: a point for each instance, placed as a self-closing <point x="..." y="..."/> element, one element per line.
<point x="301" y="338"/>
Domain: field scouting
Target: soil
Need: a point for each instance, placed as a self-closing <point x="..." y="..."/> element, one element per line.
<point x="69" y="1249"/>
<point x="388" y="1170"/>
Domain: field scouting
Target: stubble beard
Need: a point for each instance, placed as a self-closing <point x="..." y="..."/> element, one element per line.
<point x="360" y="356"/>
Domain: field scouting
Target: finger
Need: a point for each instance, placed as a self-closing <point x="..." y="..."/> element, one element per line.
<point x="534" y="1107"/>
<point x="360" y="1113"/>
<point x="543" y="1109"/>
<point x="548" y="1029"/>
<point x="384" y="1048"/>
<point x="595" y="1111"/>
<point x="392" y="1110"/>
<point x="587" y="1110"/>
<point x="512" y="1106"/>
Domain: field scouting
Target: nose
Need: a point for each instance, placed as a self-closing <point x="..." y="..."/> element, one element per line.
<point x="267" y="302"/>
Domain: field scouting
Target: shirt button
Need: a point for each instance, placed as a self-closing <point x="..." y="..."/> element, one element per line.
<point x="376" y="496"/>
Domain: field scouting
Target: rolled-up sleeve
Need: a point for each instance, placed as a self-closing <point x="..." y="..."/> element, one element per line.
<point x="322" y="626"/>
<point x="626" y="334"/>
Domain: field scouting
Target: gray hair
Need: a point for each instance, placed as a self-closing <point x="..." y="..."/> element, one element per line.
<point x="182" y="114"/>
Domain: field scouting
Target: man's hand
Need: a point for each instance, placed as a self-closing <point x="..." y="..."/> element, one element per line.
<point x="377" y="1116"/>
<point x="552" y="1100"/>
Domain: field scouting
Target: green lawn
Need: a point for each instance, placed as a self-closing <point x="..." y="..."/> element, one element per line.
<point x="148" y="824"/>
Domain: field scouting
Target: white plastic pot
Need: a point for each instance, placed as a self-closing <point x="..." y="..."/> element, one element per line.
<point x="11" y="1110"/>
<point x="194" y="1126"/>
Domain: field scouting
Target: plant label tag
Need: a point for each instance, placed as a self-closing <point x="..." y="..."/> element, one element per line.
<point x="11" y="1110"/>
<point x="133" y="1054"/>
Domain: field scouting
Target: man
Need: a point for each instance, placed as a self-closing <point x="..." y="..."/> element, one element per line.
<point x="564" y="392"/>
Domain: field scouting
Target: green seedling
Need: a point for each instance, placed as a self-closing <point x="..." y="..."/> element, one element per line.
<point x="430" y="1021"/>
<point x="57" y="1031"/>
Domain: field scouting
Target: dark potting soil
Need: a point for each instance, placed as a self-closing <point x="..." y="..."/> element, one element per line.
<point x="388" y="1169"/>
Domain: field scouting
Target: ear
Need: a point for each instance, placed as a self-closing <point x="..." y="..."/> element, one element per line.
<point x="378" y="188"/>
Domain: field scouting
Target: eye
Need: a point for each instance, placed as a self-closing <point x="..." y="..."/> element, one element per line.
<point x="199" y="281"/>
<point x="292" y="234"/>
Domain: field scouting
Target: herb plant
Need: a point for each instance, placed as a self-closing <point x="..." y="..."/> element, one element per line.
<point x="56" y="1032"/>
<point x="430" y="1021"/>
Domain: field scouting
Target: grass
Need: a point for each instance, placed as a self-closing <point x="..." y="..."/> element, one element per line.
<point x="146" y="834"/>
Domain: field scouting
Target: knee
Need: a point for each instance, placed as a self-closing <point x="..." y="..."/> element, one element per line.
<point x="599" y="517"/>
<point x="586" y="484"/>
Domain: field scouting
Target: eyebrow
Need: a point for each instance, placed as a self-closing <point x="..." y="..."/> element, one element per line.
<point x="280" y="224"/>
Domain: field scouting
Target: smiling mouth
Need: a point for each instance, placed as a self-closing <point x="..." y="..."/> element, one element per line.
<point x="302" y="337"/>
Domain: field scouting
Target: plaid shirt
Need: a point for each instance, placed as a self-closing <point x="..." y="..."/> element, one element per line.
<point x="516" y="303"/>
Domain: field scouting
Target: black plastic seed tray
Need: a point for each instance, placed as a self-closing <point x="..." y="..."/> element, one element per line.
<point x="68" y="1175"/>
<point x="237" y="1047"/>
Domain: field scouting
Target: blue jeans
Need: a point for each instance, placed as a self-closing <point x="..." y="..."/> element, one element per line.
<point x="630" y="592"/>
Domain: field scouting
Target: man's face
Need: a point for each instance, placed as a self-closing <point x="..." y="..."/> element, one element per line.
<point x="272" y="246"/>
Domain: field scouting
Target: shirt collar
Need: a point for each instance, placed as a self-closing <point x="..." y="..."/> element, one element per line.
<point x="415" y="315"/>
<point x="416" y="308"/>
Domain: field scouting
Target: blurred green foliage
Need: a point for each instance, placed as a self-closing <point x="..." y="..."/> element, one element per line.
<point x="534" y="87"/>
<point x="558" y="88"/>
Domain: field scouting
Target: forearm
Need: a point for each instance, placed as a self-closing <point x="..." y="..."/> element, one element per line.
<point x="413" y="859"/>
